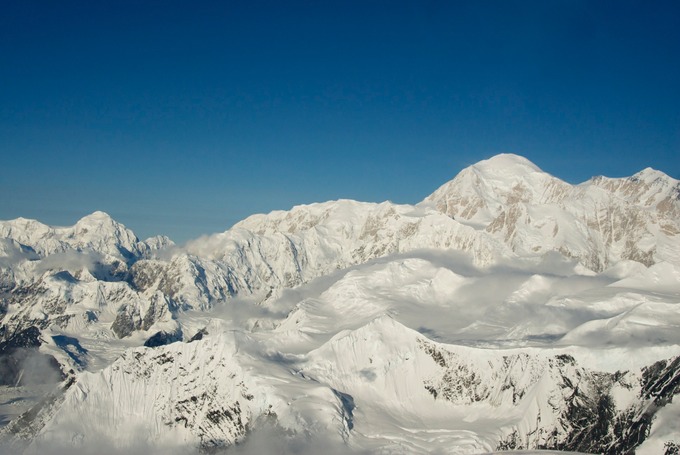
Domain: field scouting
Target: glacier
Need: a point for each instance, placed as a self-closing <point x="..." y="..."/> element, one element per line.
<point x="509" y="310"/>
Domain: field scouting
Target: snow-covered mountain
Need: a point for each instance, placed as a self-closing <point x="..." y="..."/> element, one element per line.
<point x="95" y="232"/>
<point x="508" y="310"/>
<point x="599" y="222"/>
<point x="382" y="387"/>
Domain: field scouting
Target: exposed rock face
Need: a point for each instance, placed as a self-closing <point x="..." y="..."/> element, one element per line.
<point x="599" y="222"/>
<point x="156" y="393"/>
<point x="21" y="362"/>
<point x="558" y="404"/>
<point x="73" y="277"/>
<point x="163" y="338"/>
<point x="218" y="410"/>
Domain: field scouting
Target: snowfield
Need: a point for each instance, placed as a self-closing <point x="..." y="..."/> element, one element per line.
<point x="507" y="311"/>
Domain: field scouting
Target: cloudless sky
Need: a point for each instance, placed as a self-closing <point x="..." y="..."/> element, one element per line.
<point x="183" y="117"/>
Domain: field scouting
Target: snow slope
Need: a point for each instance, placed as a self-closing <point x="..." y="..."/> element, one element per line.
<point x="600" y="222"/>
<point x="508" y="310"/>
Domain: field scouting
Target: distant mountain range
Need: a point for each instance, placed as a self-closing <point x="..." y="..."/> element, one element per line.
<point x="507" y="310"/>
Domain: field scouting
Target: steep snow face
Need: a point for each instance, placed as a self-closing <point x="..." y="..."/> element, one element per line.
<point x="185" y="395"/>
<point x="284" y="249"/>
<point x="481" y="192"/>
<point x="204" y="395"/>
<point x="380" y="388"/>
<point x="664" y="435"/>
<point x="401" y="382"/>
<point x="599" y="222"/>
<point x="190" y="282"/>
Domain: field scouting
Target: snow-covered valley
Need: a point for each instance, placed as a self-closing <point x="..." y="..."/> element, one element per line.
<point x="507" y="311"/>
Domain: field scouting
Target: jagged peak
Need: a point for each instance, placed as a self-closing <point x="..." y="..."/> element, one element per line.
<point x="99" y="226"/>
<point x="159" y="241"/>
<point x="650" y="175"/>
<point x="97" y="217"/>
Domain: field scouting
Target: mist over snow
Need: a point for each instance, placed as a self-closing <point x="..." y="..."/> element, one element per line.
<point x="509" y="310"/>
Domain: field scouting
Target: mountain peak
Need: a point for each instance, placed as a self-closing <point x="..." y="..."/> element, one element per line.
<point x="507" y="163"/>
<point x="649" y="175"/>
<point x="97" y="217"/>
<point x="479" y="191"/>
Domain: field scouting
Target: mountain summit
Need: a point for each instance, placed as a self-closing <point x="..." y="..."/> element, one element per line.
<point x="479" y="193"/>
<point x="601" y="221"/>
<point x="508" y="310"/>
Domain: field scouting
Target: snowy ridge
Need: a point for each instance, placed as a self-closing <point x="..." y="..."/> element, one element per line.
<point x="95" y="232"/>
<point x="599" y="222"/>
<point x="365" y="388"/>
<point x="508" y="310"/>
<point x="479" y="193"/>
<point x="153" y="397"/>
<point x="534" y="394"/>
<point x="509" y="207"/>
<point x="289" y="248"/>
<point x="205" y="394"/>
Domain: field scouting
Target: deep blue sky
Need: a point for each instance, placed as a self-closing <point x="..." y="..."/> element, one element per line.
<point x="181" y="118"/>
